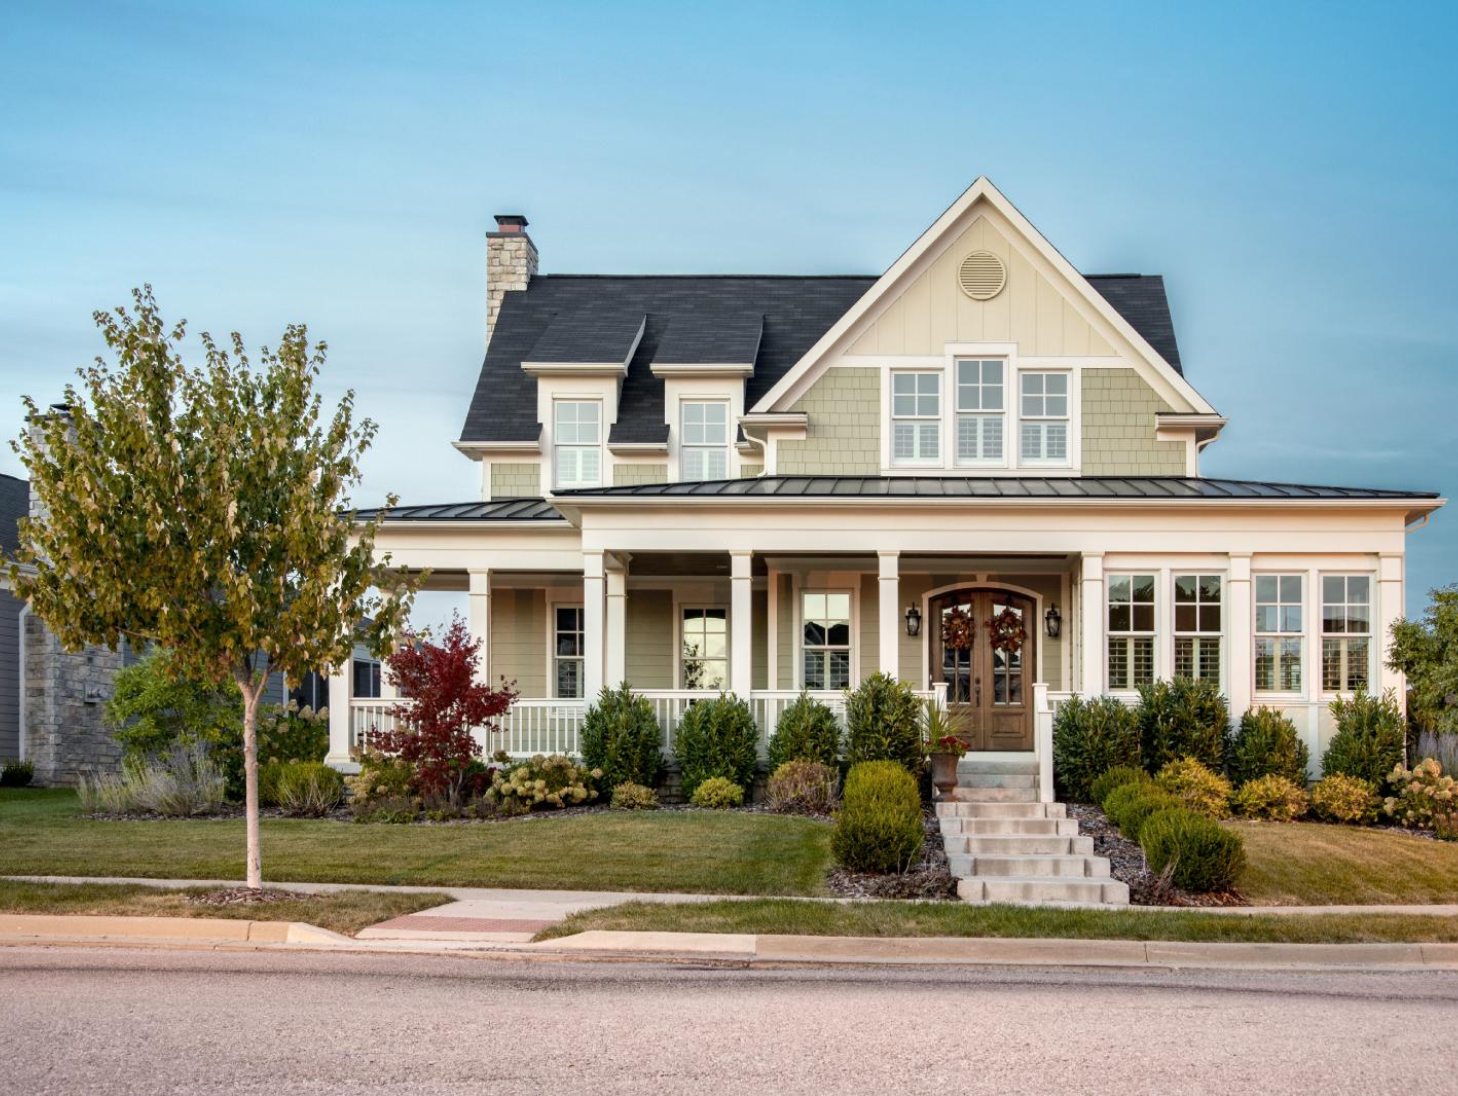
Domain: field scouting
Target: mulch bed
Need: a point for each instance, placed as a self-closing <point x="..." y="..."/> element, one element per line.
<point x="930" y="878"/>
<point x="1127" y="864"/>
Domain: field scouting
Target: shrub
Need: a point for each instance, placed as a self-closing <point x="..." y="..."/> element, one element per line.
<point x="718" y="793"/>
<point x="1090" y="737"/>
<point x="1201" y="854"/>
<point x="1272" y="798"/>
<point x="883" y="723"/>
<point x="1130" y="805"/>
<point x="380" y="777"/>
<point x="1339" y="798"/>
<point x="805" y="730"/>
<point x="620" y="735"/>
<point x="1369" y="738"/>
<point x="1266" y="744"/>
<point x="802" y="786"/>
<point x="292" y="733"/>
<point x="1196" y="787"/>
<point x="717" y="737"/>
<point x="307" y="789"/>
<point x="633" y="797"/>
<point x="391" y="808"/>
<point x="185" y="782"/>
<point x="1182" y="718"/>
<point x="1116" y="777"/>
<point x="1421" y="795"/>
<point x="878" y="827"/>
<point x="15" y="773"/>
<point x="551" y="782"/>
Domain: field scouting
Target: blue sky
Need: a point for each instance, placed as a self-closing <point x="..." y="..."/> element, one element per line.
<point x="1290" y="168"/>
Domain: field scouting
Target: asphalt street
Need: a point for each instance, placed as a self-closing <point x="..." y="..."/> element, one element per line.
<point x="78" y="1020"/>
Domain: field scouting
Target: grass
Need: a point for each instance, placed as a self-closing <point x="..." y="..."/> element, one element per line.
<point x="790" y="917"/>
<point x="1311" y="864"/>
<point x="347" y="912"/>
<point x="43" y="833"/>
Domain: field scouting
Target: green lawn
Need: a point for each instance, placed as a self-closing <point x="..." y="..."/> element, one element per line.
<point x="1310" y="864"/>
<point x="42" y="833"/>
<point x="347" y="912"/>
<point x="789" y="917"/>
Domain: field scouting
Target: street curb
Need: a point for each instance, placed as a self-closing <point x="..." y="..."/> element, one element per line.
<point x="35" y="927"/>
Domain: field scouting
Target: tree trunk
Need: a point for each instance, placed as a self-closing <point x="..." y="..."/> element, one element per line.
<point x="252" y="692"/>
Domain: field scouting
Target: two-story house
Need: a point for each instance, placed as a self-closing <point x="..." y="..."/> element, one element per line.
<point x="768" y="484"/>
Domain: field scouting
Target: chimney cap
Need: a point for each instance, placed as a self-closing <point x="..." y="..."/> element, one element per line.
<point x="510" y="222"/>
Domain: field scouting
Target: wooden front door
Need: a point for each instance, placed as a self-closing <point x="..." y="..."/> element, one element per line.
<point x="989" y="685"/>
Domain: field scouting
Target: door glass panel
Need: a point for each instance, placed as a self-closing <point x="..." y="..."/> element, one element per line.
<point x="1007" y="666"/>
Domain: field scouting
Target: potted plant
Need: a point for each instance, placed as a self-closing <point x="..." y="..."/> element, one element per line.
<point x="944" y="746"/>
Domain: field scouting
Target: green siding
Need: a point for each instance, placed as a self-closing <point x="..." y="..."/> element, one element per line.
<point x="1118" y="427"/>
<point x="843" y="434"/>
<point x="626" y="475"/>
<point x="516" y="481"/>
<point x="650" y="633"/>
<point x="519" y="639"/>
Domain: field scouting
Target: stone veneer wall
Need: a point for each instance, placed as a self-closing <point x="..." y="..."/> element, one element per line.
<point x="1119" y="424"/>
<point x="625" y="475"/>
<point x="511" y="261"/>
<point x="843" y="434"/>
<point x="516" y="481"/>
<point x="64" y="695"/>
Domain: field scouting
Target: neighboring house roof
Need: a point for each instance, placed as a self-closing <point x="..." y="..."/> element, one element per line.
<point x="14" y="505"/>
<point x="498" y="510"/>
<point x="767" y="321"/>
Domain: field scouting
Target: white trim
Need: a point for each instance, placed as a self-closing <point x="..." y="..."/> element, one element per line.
<point x="690" y="369"/>
<point x="980" y="582"/>
<point x="691" y="601"/>
<point x="556" y="598"/>
<point x="853" y="591"/>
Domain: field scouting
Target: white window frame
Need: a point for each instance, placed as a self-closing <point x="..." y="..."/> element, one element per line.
<point x="1199" y="635"/>
<point x="377" y="678"/>
<point x="553" y="657"/>
<point x="679" y="609"/>
<point x="1132" y="633"/>
<point x="1343" y="638"/>
<point x="1281" y="634"/>
<point x="1046" y="420"/>
<point x="938" y="419"/>
<point x="558" y="446"/>
<point x="957" y="413"/>
<point x="852" y="653"/>
<point x="724" y="448"/>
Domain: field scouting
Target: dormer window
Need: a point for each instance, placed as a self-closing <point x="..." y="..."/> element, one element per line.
<point x="703" y="447"/>
<point x="577" y="442"/>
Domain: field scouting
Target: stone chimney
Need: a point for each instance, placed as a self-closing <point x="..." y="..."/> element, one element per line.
<point x="511" y="260"/>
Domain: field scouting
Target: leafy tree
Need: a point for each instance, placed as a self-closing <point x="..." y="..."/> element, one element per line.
<point x="201" y="508"/>
<point x="1426" y="651"/>
<point x="444" y="701"/>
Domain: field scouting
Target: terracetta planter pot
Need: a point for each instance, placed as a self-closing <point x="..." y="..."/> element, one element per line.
<point x="944" y="773"/>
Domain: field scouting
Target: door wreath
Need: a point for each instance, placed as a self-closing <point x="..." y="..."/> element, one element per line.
<point x="1006" y="632"/>
<point x="957" y="629"/>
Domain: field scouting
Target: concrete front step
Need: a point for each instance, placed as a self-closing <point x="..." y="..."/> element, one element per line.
<point x="974" y="763"/>
<point x="955" y="809"/>
<point x="971" y="827"/>
<point x="996" y="780"/>
<point x="1017" y="845"/>
<point x="1028" y="867"/>
<point x="962" y="794"/>
<point x="1039" y="890"/>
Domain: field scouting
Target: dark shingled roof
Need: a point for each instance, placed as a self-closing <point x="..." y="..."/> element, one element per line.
<point x="588" y="336"/>
<point x="1073" y="488"/>
<point x="14" y="505"/>
<point x="496" y="510"/>
<point x="706" y="316"/>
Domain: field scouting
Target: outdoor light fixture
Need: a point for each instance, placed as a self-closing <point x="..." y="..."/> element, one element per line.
<point x="1052" y="621"/>
<point x="913" y="620"/>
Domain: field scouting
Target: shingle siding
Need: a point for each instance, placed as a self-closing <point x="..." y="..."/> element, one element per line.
<point x="624" y="474"/>
<point x="516" y="481"/>
<point x="1119" y="422"/>
<point x="843" y="432"/>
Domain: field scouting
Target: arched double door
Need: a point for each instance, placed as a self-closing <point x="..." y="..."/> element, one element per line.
<point x="988" y="674"/>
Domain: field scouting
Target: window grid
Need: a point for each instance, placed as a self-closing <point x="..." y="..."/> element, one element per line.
<point x="980" y="410"/>
<point x="1130" y="631"/>
<point x="567" y="652"/>
<point x="1279" y="632"/>
<point x="1044" y="414"/>
<point x="826" y="640"/>
<point x="577" y="442"/>
<point x="916" y="417"/>
<point x="1346" y="632"/>
<point x="704" y="643"/>
<point x="1197" y="626"/>
<point x="703" y="448"/>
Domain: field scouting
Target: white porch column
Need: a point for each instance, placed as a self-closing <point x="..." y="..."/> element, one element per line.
<point x="341" y="685"/>
<point x="741" y="623"/>
<point x="478" y="620"/>
<point x="615" y="653"/>
<point x="890" y="610"/>
<point x="772" y="631"/>
<point x="1390" y="609"/>
<point x="1091" y="607"/>
<point x="1239" y="673"/>
<point x="594" y="626"/>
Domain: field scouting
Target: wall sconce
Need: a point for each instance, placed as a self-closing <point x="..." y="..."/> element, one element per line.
<point x="913" y="620"/>
<point x="1052" y="621"/>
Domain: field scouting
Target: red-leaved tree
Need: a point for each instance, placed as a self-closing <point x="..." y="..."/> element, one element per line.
<point x="443" y="702"/>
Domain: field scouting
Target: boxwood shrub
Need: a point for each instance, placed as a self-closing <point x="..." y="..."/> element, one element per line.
<point x="1202" y="855"/>
<point x="1130" y="805"/>
<point x="1197" y="787"/>
<point x="1090" y="737"/>
<point x="1116" y="777"/>
<point x="878" y="827"/>
<point x="717" y="736"/>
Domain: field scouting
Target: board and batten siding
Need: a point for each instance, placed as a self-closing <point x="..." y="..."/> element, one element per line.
<point x="516" y="480"/>
<point x="1119" y="423"/>
<point x="10" y="674"/>
<point x="843" y="428"/>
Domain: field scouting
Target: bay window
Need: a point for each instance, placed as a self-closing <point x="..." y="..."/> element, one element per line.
<point x="1197" y="626"/>
<point x="916" y="417"/>
<point x="577" y="442"/>
<point x="1130" y="631"/>
<point x="980" y="408"/>
<point x="825" y="640"/>
<point x="703" y="448"/>
<point x="1044" y="418"/>
<point x="1346" y="632"/>
<point x="1278" y="633"/>
<point x="704" y="646"/>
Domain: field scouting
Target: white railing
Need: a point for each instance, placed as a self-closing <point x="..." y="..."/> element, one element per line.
<point x="537" y="727"/>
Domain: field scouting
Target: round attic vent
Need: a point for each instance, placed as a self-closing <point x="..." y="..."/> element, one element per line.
<point x="982" y="275"/>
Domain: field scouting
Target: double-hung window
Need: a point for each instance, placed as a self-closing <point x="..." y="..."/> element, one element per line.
<point x="826" y="646"/>
<point x="1044" y="417"/>
<point x="1197" y="626"/>
<point x="980" y="412"/>
<point x="1346" y="632"/>
<point x="1278" y="633"/>
<point x="916" y="417"/>
<point x="567" y="651"/>
<point x="366" y="679"/>
<point x="577" y="440"/>
<point x="703" y="447"/>
<point x="1131" y="631"/>
<point x="704" y="639"/>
